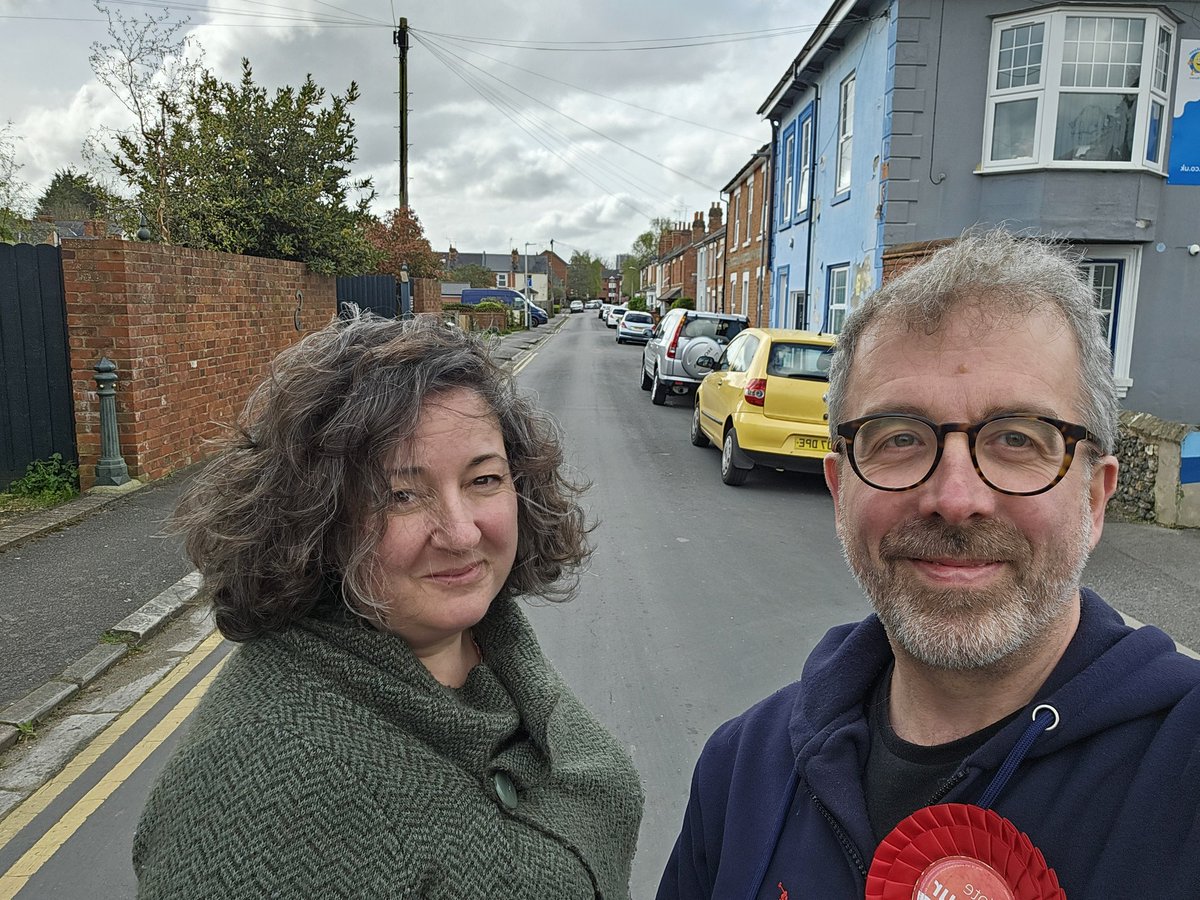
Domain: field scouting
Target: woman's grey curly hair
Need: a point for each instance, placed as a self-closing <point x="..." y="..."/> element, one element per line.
<point x="296" y="502"/>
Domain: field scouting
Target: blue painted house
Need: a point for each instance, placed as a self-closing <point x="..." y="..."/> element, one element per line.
<point x="902" y="122"/>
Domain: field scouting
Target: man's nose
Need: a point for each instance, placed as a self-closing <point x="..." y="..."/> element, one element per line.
<point x="955" y="492"/>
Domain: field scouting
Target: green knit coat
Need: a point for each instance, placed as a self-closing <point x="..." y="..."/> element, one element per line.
<point x="327" y="762"/>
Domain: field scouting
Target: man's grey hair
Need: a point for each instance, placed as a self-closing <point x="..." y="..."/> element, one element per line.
<point x="1007" y="276"/>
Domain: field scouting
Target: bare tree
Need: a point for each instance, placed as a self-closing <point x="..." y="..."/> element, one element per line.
<point x="14" y="193"/>
<point x="151" y="66"/>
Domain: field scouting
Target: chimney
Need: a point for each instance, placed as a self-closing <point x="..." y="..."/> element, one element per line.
<point x="679" y="237"/>
<point x="697" y="227"/>
<point x="664" y="244"/>
<point x="95" y="228"/>
<point x="516" y="259"/>
<point x="714" y="217"/>
<point x="452" y="256"/>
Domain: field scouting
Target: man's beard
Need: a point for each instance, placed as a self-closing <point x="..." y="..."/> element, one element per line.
<point x="968" y="628"/>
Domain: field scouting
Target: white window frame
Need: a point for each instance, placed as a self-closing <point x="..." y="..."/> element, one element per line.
<point x="745" y="293"/>
<point x="1129" y="258"/>
<point x="1153" y="90"/>
<point x="762" y="216"/>
<point x="838" y="304"/>
<point x="737" y="214"/>
<point x="502" y="279"/>
<point x="789" y="152"/>
<point x="805" y="162"/>
<point x="845" y="144"/>
<point x="749" y="208"/>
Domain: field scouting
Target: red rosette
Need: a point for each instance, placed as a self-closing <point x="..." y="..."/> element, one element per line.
<point x="955" y="850"/>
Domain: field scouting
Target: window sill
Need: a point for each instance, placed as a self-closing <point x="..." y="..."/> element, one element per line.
<point x="994" y="169"/>
<point x="840" y="198"/>
<point x="800" y="218"/>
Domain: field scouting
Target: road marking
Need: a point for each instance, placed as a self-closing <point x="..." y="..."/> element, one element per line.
<point x="12" y="881"/>
<point x="517" y="369"/>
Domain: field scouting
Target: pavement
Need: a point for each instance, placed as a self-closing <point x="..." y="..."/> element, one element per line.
<point x="83" y="587"/>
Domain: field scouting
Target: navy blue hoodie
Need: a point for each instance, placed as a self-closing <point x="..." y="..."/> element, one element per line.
<point x="1111" y="796"/>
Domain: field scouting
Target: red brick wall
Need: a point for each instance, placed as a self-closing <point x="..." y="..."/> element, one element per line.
<point x="427" y="295"/>
<point x="897" y="259"/>
<point x="748" y="257"/>
<point x="191" y="333"/>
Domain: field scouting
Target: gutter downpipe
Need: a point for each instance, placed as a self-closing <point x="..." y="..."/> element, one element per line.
<point x="812" y="213"/>
<point x="768" y="238"/>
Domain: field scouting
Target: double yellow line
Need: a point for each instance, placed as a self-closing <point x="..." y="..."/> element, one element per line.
<point x="12" y="881"/>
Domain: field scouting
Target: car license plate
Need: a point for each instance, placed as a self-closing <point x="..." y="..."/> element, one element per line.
<point x="812" y="443"/>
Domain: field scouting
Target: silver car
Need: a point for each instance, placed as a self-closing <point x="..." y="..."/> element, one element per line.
<point x="635" y="327"/>
<point x="681" y="338"/>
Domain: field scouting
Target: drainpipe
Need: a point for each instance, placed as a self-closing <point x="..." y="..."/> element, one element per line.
<point x="812" y="212"/>
<point x="766" y="254"/>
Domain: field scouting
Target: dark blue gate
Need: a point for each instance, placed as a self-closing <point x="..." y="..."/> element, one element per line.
<point x="36" y="414"/>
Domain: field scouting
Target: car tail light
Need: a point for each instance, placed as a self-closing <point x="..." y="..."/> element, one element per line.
<point x="674" y="345"/>
<point x="756" y="391"/>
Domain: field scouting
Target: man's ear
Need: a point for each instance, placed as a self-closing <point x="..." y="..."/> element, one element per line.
<point x="833" y="476"/>
<point x="1102" y="485"/>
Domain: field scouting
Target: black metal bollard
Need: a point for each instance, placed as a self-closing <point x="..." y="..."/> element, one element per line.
<point x="111" y="470"/>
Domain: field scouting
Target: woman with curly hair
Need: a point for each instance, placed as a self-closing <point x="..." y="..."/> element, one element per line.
<point x="389" y="726"/>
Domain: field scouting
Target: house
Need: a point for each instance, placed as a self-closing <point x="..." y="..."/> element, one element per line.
<point x="610" y="281"/>
<point x="748" y="287"/>
<point x="546" y="271"/>
<point x="902" y="122"/>
<point x="675" y="266"/>
<point x="710" y="264"/>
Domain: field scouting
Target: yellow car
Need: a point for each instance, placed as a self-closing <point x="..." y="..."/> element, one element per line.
<point x="764" y="402"/>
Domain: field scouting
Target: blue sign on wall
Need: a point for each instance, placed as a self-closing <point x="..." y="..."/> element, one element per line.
<point x="1189" y="463"/>
<point x="1183" y="165"/>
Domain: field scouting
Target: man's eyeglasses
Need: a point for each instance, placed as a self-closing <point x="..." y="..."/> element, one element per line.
<point x="1019" y="455"/>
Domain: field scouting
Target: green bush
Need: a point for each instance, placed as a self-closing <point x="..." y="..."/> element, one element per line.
<point x="50" y="480"/>
<point x="489" y="306"/>
<point x="684" y="303"/>
<point x="638" y="303"/>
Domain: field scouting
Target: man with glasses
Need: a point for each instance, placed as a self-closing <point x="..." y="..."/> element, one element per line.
<point x="973" y="419"/>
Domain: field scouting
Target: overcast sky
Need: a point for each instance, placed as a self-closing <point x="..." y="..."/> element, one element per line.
<point x="552" y="167"/>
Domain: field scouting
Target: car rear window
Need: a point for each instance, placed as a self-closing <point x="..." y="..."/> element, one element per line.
<point x="792" y="360"/>
<point x="642" y="317"/>
<point x="721" y="330"/>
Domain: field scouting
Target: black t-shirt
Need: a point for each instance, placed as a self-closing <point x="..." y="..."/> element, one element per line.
<point x="900" y="777"/>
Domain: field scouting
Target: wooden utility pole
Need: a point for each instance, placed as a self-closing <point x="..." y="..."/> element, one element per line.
<point x="400" y="39"/>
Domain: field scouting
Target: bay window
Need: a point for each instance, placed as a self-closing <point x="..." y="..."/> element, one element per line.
<point x="1078" y="87"/>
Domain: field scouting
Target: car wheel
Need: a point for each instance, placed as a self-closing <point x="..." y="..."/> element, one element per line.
<point x="731" y="474"/>
<point x="699" y="438"/>
<point x="646" y="382"/>
<point x="619" y="340"/>
<point x="658" y="391"/>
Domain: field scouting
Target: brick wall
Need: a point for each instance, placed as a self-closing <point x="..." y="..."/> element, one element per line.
<point x="904" y="256"/>
<point x="191" y="333"/>
<point x="427" y="295"/>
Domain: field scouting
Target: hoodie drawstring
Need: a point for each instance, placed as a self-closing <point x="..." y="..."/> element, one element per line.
<point x="1045" y="718"/>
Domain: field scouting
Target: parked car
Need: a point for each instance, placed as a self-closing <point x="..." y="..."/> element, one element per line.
<point x="635" y="326"/>
<point x="683" y="335"/>
<point x="537" y="315"/>
<point x="592" y="304"/>
<point x="603" y="314"/>
<point x="576" y="306"/>
<point x="764" y="402"/>
<point x="614" y="316"/>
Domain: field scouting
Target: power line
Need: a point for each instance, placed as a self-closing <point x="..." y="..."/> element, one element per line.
<point x="579" y="87"/>
<point x="729" y="37"/>
<point x="483" y="92"/>
<point x="597" y="161"/>
<point x="594" y="131"/>
<point x="532" y="122"/>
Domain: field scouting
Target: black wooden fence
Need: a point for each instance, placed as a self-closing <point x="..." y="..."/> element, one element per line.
<point x="374" y="293"/>
<point x="36" y="415"/>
